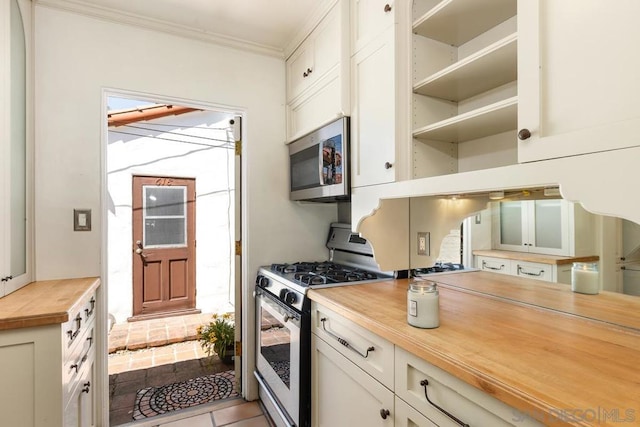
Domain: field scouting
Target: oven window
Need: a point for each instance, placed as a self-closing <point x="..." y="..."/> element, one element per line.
<point x="275" y="345"/>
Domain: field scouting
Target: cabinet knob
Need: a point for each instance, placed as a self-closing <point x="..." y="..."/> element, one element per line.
<point x="384" y="413"/>
<point x="387" y="8"/>
<point x="524" y="134"/>
<point x="388" y="165"/>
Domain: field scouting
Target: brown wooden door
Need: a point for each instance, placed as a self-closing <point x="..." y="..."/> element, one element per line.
<point x="163" y="245"/>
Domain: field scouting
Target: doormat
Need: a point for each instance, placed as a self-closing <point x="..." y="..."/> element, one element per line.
<point x="152" y="401"/>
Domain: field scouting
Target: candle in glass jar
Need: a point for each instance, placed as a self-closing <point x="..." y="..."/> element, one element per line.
<point x="423" y="309"/>
<point x="585" y="278"/>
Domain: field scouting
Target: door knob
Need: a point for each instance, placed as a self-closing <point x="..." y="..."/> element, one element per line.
<point x="139" y="252"/>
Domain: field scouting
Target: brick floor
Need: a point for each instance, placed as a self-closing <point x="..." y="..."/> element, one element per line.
<point x="155" y="332"/>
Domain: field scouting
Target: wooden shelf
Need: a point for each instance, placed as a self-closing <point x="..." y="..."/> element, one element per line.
<point x="489" y="120"/>
<point x="455" y="22"/>
<point x="484" y="70"/>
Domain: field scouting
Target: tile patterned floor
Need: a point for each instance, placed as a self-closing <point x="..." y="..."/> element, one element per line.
<point x="228" y="413"/>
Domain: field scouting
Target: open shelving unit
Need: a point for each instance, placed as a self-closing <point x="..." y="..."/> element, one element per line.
<point x="464" y="84"/>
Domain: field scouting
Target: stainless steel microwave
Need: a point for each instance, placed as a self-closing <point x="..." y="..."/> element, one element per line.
<point x="319" y="164"/>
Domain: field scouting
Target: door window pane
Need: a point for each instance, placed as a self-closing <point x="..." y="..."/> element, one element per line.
<point x="164" y="216"/>
<point x="511" y="223"/>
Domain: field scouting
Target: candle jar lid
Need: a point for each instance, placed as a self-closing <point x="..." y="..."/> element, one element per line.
<point x="423" y="286"/>
<point x="591" y="266"/>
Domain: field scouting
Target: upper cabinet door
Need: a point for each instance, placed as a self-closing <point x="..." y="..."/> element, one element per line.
<point x="578" y="82"/>
<point x="14" y="134"/>
<point x="369" y="19"/>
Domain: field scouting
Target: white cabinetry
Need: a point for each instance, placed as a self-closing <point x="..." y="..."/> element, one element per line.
<point x="465" y="100"/>
<point x="577" y="77"/>
<point x="379" y="149"/>
<point x="48" y="372"/>
<point x="351" y="384"/>
<point x="15" y="131"/>
<point x="318" y="75"/>
<point x="551" y="227"/>
<point x="355" y="387"/>
<point x="559" y="273"/>
<point x="417" y="380"/>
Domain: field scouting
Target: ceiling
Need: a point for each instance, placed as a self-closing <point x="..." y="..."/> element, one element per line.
<point x="268" y="24"/>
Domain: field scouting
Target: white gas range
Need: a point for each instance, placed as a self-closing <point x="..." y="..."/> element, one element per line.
<point x="283" y="333"/>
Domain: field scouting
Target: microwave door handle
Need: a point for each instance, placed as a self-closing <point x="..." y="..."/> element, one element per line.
<point x="321" y="161"/>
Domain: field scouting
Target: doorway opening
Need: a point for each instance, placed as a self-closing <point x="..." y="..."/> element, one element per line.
<point x="172" y="225"/>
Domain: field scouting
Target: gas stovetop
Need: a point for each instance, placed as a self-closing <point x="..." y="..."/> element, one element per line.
<point x="313" y="273"/>
<point x="440" y="267"/>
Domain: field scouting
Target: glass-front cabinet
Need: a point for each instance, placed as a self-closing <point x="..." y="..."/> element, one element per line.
<point x="538" y="226"/>
<point x="15" y="133"/>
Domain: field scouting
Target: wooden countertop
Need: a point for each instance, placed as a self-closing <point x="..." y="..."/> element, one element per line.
<point x="537" y="360"/>
<point x="539" y="258"/>
<point x="610" y="307"/>
<point x="44" y="302"/>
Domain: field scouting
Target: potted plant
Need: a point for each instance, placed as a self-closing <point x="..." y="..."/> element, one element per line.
<point x="218" y="337"/>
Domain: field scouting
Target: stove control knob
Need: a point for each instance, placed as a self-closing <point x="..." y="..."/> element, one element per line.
<point x="263" y="282"/>
<point x="290" y="298"/>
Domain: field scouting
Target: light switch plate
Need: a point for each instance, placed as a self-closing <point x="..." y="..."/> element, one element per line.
<point x="82" y="220"/>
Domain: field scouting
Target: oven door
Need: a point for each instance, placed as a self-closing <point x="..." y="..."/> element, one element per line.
<point x="278" y="351"/>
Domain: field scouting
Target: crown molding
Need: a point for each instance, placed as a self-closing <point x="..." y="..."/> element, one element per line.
<point x="120" y="17"/>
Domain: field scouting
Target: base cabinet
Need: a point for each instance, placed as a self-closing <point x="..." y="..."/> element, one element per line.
<point x="343" y="395"/>
<point x="48" y="372"/>
<point x="557" y="273"/>
<point x="416" y="379"/>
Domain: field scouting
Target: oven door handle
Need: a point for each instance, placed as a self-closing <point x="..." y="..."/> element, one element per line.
<point x="345" y="342"/>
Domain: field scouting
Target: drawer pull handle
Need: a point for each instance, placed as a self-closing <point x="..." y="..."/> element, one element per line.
<point x="87" y="387"/>
<point x="74" y="366"/>
<point x="89" y="312"/>
<point x="424" y="383"/>
<point x="485" y="266"/>
<point x="74" y="334"/>
<point x="538" y="274"/>
<point x="384" y="413"/>
<point x="345" y="342"/>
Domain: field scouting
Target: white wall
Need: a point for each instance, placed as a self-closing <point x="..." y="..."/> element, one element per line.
<point x="76" y="57"/>
<point x="172" y="152"/>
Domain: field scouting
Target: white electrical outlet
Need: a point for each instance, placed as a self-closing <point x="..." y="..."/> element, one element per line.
<point x="423" y="243"/>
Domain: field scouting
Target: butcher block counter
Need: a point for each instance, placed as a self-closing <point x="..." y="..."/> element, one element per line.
<point x="538" y="258"/>
<point x="45" y="302"/>
<point x="538" y="360"/>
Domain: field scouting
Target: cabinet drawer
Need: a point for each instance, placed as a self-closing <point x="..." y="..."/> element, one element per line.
<point x="81" y="355"/>
<point x="355" y="343"/>
<point x="406" y="416"/>
<point x="532" y="270"/>
<point x="493" y="265"/>
<point x="78" y="323"/>
<point x="462" y="400"/>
